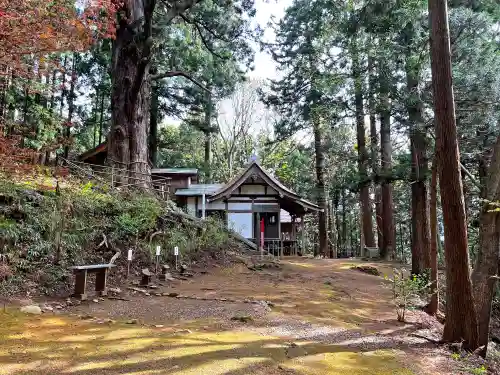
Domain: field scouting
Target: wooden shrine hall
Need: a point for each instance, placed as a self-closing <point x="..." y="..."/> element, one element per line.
<point x="254" y="204"/>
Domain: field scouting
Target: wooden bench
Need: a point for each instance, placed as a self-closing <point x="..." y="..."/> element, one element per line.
<point x="101" y="271"/>
<point x="372" y="252"/>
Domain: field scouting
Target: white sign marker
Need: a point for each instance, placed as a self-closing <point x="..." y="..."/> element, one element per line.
<point x="158" y="250"/>
<point x="176" y="250"/>
<point x="129" y="255"/>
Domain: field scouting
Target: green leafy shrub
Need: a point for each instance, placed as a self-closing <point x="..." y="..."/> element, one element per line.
<point x="407" y="290"/>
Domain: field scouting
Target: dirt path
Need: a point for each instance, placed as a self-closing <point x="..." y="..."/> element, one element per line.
<point x="321" y="318"/>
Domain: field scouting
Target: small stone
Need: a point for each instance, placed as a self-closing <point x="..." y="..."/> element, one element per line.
<point x="59" y="307"/>
<point x="114" y="290"/>
<point x="158" y="294"/>
<point x="159" y="326"/>
<point x="95" y="300"/>
<point x="86" y="317"/>
<point x="153" y="286"/>
<point x="165" y="267"/>
<point x="100" y="321"/>
<point x="47" y="308"/>
<point x="69" y="302"/>
<point x="183" y="331"/>
<point x="147" y="294"/>
<point x="31" y="309"/>
<point x="368" y="269"/>
<point x="131" y="321"/>
<point x="242" y="318"/>
<point x="173" y="294"/>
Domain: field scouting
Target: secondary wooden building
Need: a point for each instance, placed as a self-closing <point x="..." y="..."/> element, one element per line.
<point x="164" y="179"/>
<point x="253" y="204"/>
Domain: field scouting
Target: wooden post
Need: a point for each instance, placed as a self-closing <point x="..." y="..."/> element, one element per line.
<point x="361" y="234"/>
<point x="81" y="284"/>
<point x="258" y="235"/>
<point x="100" y="282"/>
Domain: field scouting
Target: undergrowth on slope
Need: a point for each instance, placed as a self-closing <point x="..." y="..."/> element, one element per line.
<point x="43" y="233"/>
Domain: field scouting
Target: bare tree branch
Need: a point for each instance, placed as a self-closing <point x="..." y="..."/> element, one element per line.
<point x="200" y="33"/>
<point x="180" y="73"/>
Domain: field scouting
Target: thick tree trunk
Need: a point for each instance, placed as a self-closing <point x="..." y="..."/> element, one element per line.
<point x="420" y="241"/>
<point x="71" y="106"/>
<point x="433" y="306"/>
<point x="388" y="229"/>
<point x="332" y="230"/>
<point x="96" y="114"/>
<point x="63" y="86"/>
<point x="101" y="117"/>
<point x="336" y="224"/>
<point x="208" y="157"/>
<point x="461" y="322"/>
<point x="486" y="268"/>
<point x="320" y="187"/>
<point x="374" y="150"/>
<point x="366" y="209"/>
<point x="153" y="126"/>
<point x="130" y="98"/>
<point x="344" y="221"/>
<point x="53" y="90"/>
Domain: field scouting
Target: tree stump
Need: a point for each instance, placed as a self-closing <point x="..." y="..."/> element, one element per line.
<point x="146" y="277"/>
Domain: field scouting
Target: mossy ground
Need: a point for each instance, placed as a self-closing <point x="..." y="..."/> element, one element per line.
<point x="352" y="301"/>
<point x="61" y="344"/>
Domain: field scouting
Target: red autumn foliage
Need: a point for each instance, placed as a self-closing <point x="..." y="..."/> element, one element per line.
<point x="33" y="29"/>
<point x="15" y="159"/>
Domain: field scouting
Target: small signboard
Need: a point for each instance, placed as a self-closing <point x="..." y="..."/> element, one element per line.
<point x="176" y="250"/>
<point x="158" y="250"/>
<point x="129" y="255"/>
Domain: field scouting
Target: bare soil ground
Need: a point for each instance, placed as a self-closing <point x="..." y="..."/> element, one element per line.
<point x="308" y="317"/>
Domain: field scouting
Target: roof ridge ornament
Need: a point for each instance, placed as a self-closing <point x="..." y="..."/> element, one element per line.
<point x="254" y="158"/>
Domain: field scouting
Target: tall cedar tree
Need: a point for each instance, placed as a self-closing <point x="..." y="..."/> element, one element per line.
<point x="366" y="207"/>
<point x="388" y="230"/>
<point x="301" y="97"/>
<point x="133" y="51"/>
<point x="420" y="241"/>
<point x="461" y="321"/>
<point x="486" y="269"/>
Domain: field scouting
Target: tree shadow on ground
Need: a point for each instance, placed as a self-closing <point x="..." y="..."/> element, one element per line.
<point x="64" y="345"/>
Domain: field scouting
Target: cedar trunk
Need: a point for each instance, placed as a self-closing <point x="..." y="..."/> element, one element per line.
<point x="388" y="229"/>
<point x="486" y="268"/>
<point x="420" y="240"/>
<point x="208" y="157"/>
<point x="153" y="126"/>
<point x="461" y="321"/>
<point x="374" y="150"/>
<point x="320" y="187"/>
<point x="366" y="209"/>
<point x="433" y="306"/>
<point x="130" y="102"/>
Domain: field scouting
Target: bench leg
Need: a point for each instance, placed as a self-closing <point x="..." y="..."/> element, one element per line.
<point x="81" y="284"/>
<point x="100" y="282"/>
